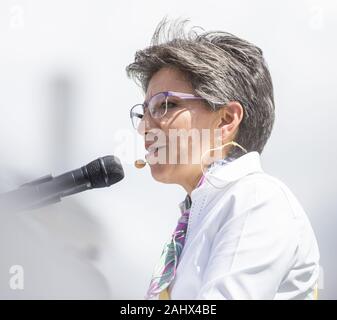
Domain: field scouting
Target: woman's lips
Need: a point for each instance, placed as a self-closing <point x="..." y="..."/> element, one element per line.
<point x="153" y="151"/>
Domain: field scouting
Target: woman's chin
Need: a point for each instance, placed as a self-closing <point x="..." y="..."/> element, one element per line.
<point x="160" y="172"/>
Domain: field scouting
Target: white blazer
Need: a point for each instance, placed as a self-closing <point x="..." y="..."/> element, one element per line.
<point x="249" y="240"/>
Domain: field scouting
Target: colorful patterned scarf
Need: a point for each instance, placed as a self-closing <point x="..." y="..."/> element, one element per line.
<point x="166" y="267"/>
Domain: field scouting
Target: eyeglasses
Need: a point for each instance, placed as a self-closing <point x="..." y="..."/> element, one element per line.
<point x="159" y="105"/>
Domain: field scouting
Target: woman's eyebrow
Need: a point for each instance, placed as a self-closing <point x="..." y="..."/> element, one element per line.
<point x="147" y="101"/>
<point x="149" y="97"/>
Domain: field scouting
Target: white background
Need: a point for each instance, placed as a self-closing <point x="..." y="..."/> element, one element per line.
<point x="64" y="101"/>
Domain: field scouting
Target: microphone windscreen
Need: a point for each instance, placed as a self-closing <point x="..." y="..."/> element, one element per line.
<point x="105" y="171"/>
<point x="139" y="164"/>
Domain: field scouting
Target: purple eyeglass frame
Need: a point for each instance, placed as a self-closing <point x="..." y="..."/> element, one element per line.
<point x="180" y="95"/>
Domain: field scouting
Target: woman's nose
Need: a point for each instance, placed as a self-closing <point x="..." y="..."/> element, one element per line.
<point x="147" y="124"/>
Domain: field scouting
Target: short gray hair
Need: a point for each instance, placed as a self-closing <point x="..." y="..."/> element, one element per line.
<point x="221" y="68"/>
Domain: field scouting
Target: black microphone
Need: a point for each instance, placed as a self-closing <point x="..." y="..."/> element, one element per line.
<point x="100" y="173"/>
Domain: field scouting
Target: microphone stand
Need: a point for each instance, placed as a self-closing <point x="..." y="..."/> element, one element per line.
<point x="29" y="196"/>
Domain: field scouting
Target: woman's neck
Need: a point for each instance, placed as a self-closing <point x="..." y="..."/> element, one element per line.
<point x="189" y="186"/>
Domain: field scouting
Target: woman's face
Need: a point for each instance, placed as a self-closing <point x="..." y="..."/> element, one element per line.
<point x="175" y="133"/>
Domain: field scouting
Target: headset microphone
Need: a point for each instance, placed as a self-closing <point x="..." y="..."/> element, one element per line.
<point x="140" y="164"/>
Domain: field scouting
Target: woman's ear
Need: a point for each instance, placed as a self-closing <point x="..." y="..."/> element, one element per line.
<point x="230" y="117"/>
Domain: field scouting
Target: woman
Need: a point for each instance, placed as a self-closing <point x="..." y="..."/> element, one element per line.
<point x="242" y="233"/>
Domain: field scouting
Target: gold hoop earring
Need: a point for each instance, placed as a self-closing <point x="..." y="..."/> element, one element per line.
<point x="212" y="149"/>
